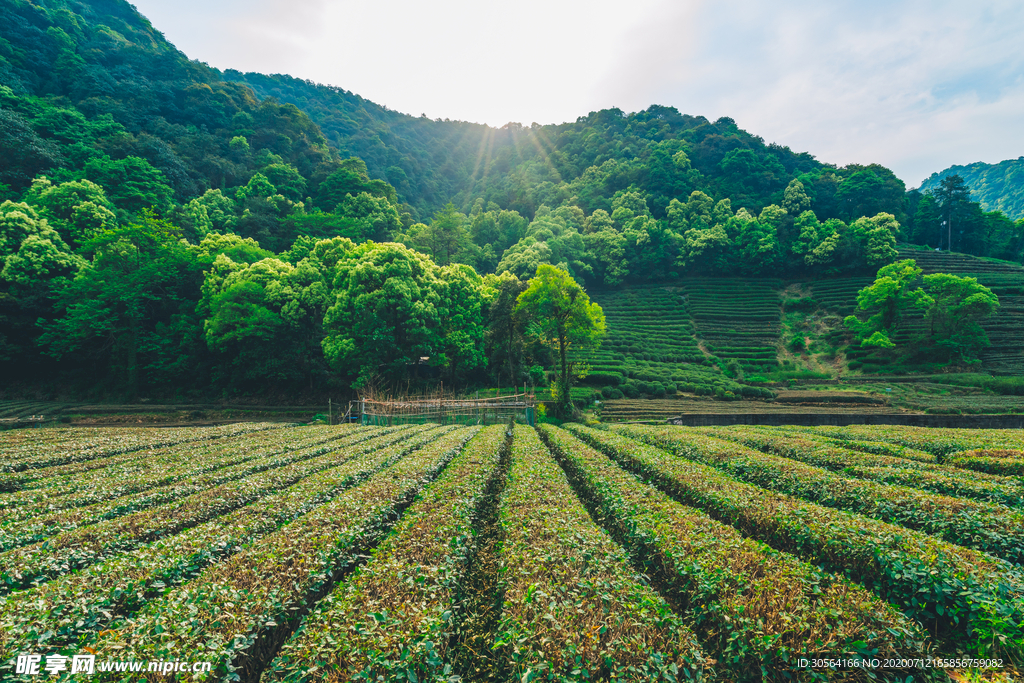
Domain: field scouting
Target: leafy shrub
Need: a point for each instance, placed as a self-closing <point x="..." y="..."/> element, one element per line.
<point x="603" y="377"/>
<point x="611" y="393"/>
<point x="537" y="375"/>
<point x="804" y="304"/>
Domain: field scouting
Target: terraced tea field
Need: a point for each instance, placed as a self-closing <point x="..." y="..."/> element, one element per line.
<point x="650" y="340"/>
<point x="738" y="319"/>
<point x="427" y="553"/>
<point x="630" y="410"/>
<point x="1005" y="329"/>
<point x="660" y="337"/>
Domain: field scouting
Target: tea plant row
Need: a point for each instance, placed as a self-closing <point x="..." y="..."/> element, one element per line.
<point x="444" y="553"/>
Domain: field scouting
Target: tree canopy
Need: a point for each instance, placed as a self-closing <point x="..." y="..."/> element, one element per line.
<point x="893" y="294"/>
<point x="953" y="308"/>
<point x="564" y="318"/>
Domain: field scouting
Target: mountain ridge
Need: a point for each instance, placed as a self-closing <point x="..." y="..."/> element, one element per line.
<point x="997" y="187"/>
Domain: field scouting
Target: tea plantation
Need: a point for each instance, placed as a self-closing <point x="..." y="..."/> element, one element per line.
<point x="415" y="553"/>
<point x="669" y="348"/>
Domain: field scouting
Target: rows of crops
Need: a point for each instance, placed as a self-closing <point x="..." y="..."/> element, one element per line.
<point x="633" y="410"/>
<point x="738" y="319"/>
<point x="494" y="554"/>
<point x="11" y="410"/>
<point x="651" y="349"/>
<point x="839" y="294"/>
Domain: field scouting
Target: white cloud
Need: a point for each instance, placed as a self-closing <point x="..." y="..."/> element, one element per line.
<point x="914" y="85"/>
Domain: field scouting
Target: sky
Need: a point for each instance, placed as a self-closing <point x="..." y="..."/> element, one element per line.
<point x="914" y="85"/>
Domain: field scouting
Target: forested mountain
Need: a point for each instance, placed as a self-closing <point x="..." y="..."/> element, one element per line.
<point x="165" y="227"/>
<point x="997" y="187"/>
<point x="431" y="162"/>
<point x="93" y="83"/>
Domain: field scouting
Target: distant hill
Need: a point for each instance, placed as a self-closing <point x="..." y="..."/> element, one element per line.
<point x="997" y="187"/>
<point x="81" y="82"/>
<point x="431" y="162"/>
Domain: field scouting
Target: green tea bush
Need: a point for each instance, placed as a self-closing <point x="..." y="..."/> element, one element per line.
<point x="603" y="377"/>
<point x="804" y="304"/>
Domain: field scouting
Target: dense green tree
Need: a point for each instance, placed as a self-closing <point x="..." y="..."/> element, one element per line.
<point x="524" y="257"/>
<point x="266" y="318"/>
<point x="606" y="249"/>
<point x="494" y="231"/>
<point x="1005" y="238"/>
<point x="808" y="233"/>
<point x="286" y="179"/>
<point x="701" y="223"/>
<point x="880" y="238"/>
<point x="350" y="179"/>
<point x="796" y="198"/>
<point x="385" y="313"/>
<point x="445" y="238"/>
<point x="550" y="239"/>
<point x="505" y="335"/>
<point x="927" y="224"/>
<point x="750" y="175"/>
<point x="882" y="305"/>
<point x="498" y="228"/>
<point x="755" y="243"/>
<point x="957" y="307"/>
<point x="131" y="184"/>
<point x="870" y="190"/>
<point x="953" y="196"/>
<point x="140" y="275"/>
<point x="41" y="259"/>
<point x="238" y="249"/>
<point x="78" y="210"/>
<point x="212" y="212"/>
<point x="373" y="217"/>
<point x="25" y="154"/>
<point x="32" y="254"/>
<point x="562" y="315"/>
<point x="461" y="320"/>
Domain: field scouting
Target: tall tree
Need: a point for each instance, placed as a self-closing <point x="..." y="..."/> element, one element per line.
<point x="953" y="196"/>
<point x="141" y="274"/>
<point x="505" y="327"/>
<point x="562" y="314"/>
<point x="460" y="317"/>
<point x="266" y="319"/>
